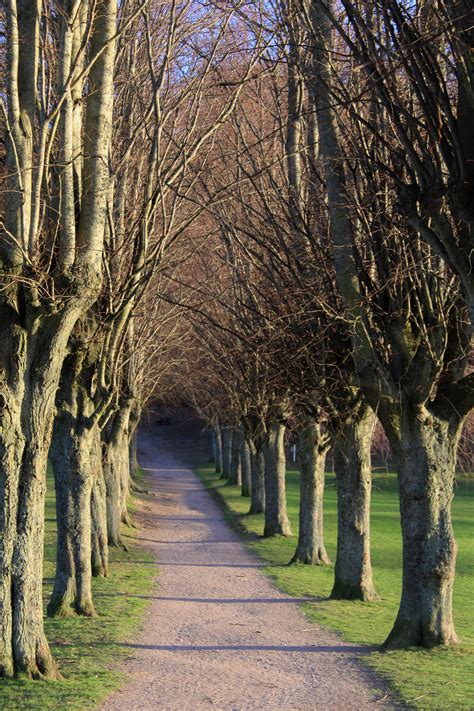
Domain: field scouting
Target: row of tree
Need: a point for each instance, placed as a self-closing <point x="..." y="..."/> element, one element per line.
<point x="336" y="286"/>
<point x="106" y="106"/>
<point x="267" y="207"/>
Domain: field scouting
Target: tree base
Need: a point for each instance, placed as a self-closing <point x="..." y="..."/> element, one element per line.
<point x="277" y="529"/>
<point x="127" y="520"/>
<point x="99" y="571"/>
<point x="349" y="591"/>
<point x="407" y="634"/>
<point x="41" y="667"/>
<point x="116" y="542"/>
<point x="254" y="510"/>
<point x="63" y="607"/>
<point x="308" y="558"/>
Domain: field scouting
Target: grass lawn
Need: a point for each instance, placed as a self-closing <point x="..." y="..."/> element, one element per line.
<point x="441" y="679"/>
<point x="87" y="650"/>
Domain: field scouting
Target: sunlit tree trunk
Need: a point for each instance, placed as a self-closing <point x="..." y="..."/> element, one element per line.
<point x="276" y="517"/>
<point x="71" y="453"/>
<point x="313" y="448"/>
<point x="257" y="490"/>
<point x="35" y="328"/>
<point x="117" y="473"/>
<point x="426" y="452"/>
<point x="352" y="464"/>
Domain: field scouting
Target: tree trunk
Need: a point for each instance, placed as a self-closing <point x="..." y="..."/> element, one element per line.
<point x="276" y="518"/>
<point x="235" y="476"/>
<point x="35" y="324"/>
<point x="313" y="446"/>
<point x="27" y="392"/>
<point x="99" y="540"/>
<point x="213" y="447"/>
<point x="246" y="467"/>
<point x="226" y="451"/>
<point x="124" y="473"/>
<point x="70" y="454"/>
<point x="257" y="490"/>
<point x="218" y="443"/>
<point x="426" y="470"/>
<point x="352" y="463"/>
<point x="117" y="474"/>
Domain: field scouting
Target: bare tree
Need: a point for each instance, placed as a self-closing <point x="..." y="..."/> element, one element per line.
<point x="50" y="256"/>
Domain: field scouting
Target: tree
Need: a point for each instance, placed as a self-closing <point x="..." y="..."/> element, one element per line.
<point x="410" y="340"/>
<point x="50" y="260"/>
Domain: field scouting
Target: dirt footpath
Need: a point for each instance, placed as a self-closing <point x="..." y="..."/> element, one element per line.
<point x="218" y="635"/>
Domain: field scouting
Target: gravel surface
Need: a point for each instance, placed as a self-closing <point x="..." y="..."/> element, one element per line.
<point x="218" y="634"/>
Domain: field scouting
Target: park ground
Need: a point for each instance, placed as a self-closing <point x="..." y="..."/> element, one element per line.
<point x="441" y="679"/>
<point x="93" y="653"/>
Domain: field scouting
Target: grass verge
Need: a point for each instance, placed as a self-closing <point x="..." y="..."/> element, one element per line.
<point x="88" y="651"/>
<point x="435" y="680"/>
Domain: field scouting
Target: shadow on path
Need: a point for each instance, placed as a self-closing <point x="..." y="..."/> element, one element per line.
<point x="252" y="648"/>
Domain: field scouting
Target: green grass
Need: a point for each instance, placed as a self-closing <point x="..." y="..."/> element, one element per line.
<point x="436" y="680"/>
<point x="88" y="651"/>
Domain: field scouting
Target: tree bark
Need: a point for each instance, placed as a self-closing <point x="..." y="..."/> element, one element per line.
<point x="257" y="491"/>
<point x="99" y="539"/>
<point x="246" y="467"/>
<point x="27" y="389"/>
<point x="276" y="517"/>
<point x="426" y="470"/>
<point x="218" y="443"/>
<point x="117" y="474"/>
<point x="133" y="455"/>
<point x="352" y="463"/>
<point x="226" y="451"/>
<point x="235" y="476"/>
<point x="72" y="450"/>
<point x="313" y="447"/>
<point x="134" y="420"/>
<point x="70" y="454"/>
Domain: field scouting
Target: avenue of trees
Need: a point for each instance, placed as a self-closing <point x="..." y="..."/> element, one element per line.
<point x="264" y="212"/>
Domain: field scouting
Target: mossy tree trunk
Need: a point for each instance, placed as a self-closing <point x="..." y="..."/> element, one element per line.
<point x="426" y="451"/>
<point x="27" y="409"/>
<point x="352" y="464"/>
<point x="71" y="453"/>
<point x="276" y="517"/>
<point x="313" y="448"/>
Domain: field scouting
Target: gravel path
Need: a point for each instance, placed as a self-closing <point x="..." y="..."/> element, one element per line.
<point x="218" y="634"/>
